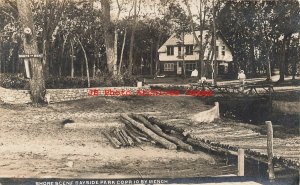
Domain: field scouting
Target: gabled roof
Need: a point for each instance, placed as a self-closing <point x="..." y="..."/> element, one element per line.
<point x="188" y="40"/>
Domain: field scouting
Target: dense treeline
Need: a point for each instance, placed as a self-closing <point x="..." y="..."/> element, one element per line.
<point x="74" y="36"/>
<point x="71" y="32"/>
<point x="263" y="35"/>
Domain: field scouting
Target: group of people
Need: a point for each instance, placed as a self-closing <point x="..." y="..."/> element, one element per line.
<point x="241" y="76"/>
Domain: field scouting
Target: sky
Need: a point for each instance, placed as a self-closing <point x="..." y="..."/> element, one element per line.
<point x="149" y="7"/>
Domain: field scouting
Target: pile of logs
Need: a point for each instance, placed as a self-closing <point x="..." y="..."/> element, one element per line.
<point x="140" y="128"/>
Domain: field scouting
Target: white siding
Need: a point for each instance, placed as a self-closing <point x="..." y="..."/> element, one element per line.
<point x="165" y="57"/>
<point x="195" y="57"/>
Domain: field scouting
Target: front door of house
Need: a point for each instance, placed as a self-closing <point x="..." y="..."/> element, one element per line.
<point x="179" y="69"/>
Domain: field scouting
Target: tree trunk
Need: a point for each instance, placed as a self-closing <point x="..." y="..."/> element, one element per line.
<point x="72" y="59"/>
<point x="94" y="67"/>
<point x="81" y="68"/>
<point x="282" y="58"/>
<point x="132" y="37"/>
<point x="37" y="83"/>
<point x="122" y="52"/>
<point x="198" y="42"/>
<point x="1" y="55"/>
<point x="116" y="53"/>
<point x="109" y="35"/>
<point x="215" y="66"/>
<point x="86" y="63"/>
<point x="151" y="58"/>
<point x="252" y="60"/>
<point x="130" y="65"/>
<point x="45" y="58"/>
<point x="157" y="54"/>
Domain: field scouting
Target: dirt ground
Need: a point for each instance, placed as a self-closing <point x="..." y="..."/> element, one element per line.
<point x="34" y="143"/>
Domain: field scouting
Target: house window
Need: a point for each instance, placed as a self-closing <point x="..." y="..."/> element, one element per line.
<point x="179" y="51"/>
<point x="223" y="50"/>
<point x="217" y="51"/>
<point x="169" y="67"/>
<point x="190" y="66"/>
<point x="189" y="50"/>
<point x="170" y="50"/>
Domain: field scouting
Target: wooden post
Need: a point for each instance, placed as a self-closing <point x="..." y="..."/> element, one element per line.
<point x="27" y="68"/>
<point x="218" y="109"/>
<point x="241" y="162"/>
<point x="270" y="150"/>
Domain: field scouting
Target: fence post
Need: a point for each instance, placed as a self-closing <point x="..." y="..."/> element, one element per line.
<point x="241" y="162"/>
<point x="270" y="150"/>
<point x="218" y="109"/>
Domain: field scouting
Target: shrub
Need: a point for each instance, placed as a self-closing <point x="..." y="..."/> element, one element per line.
<point x="17" y="81"/>
<point x="13" y="81"/>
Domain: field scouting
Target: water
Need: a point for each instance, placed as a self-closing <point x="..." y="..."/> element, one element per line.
<point x="256" y="111"/>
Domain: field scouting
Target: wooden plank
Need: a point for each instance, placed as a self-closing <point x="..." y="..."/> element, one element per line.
<point x="31" y="56"/>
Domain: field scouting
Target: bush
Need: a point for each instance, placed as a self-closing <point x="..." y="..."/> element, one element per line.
<point x="104" y="81"/>
<point x="16" y="81"/>
<point x="13" y="81"/>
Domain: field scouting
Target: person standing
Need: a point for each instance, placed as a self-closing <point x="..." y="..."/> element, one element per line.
<point x="242" y="77"/>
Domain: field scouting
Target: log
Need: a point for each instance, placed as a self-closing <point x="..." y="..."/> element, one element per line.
<point x="120" y="138"/>
<point x="133" y="129"/>
<point x="159" y="132"/>
<point x="123" y="137"/>
<point x="144" y="139"/>
<point x="157" y="127"/>
<point x="163" y="125"/>
<point x="165" y="143"/>
<point x="128" y="138"/>
<point x="115" y="143"/>
<point x="133" y="136"/>
<point x="203" y="145"/>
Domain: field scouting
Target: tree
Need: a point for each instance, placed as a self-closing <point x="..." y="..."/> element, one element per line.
<point x="200" y="45"/>
<point x="136" y="10"/>
<point x="37" y="83"/>
<point x="48" y="21"/>
<point x="182" y="26"/>
<point x="287" y="23"/>
<point x="260" y="34"/>
<point x="108" y="35"/>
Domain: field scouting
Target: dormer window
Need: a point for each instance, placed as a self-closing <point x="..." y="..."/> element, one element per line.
<point x="170" y="50"/>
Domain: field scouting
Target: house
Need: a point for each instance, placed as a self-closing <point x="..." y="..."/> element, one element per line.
<point x="177" y="53"/>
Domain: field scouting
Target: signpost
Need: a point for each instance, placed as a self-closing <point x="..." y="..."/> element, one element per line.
<point x="31" y="56"/>
<point x="26" y="58"/>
